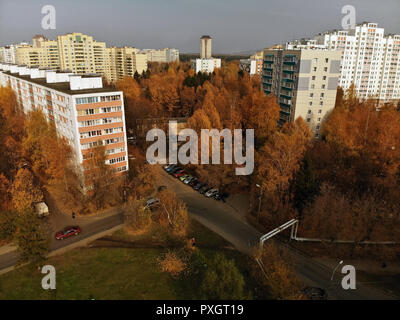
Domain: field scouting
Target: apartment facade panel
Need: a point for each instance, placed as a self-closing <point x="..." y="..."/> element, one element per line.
<point x="304" y="83"/>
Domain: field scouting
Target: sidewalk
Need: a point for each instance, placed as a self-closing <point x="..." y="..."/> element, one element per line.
<point x="7" y="248"/>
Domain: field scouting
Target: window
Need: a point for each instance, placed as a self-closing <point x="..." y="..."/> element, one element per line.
<point x="322" y="95"/>
<point x="313" y="77"/>
<point x="87" y="100"/>
<point x="110" y="98"/>
<point x="315" y="69"/>
<point x="323" y="86"/>
<point x="321" y="103"/>
<point x="324" y="78"/>
<point x="310" y="103"/>
<point x="119" y="169"/>
<point x="311" y="95"/>
<point x="116" y="160"/>
<point x="326" y="60"/>
<point x="326" y="69"/>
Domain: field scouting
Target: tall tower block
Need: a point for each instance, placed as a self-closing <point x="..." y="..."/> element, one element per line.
<point x="205" y="47"/>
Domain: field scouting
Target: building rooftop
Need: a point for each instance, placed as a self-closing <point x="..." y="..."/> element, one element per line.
<point x="61" y="86"/>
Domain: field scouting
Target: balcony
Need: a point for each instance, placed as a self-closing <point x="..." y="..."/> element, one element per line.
<point x="269" y="59"/>
<point x="267" y="77"/>
<point x="287" y="86"/>
<point x="290" y="69"/>
<point x="290" y="60"/>
<point x="286" y="93"/>
<point x="285" y="101"/>
<point x="286" y="110"/>
<point x="287" y="77"/>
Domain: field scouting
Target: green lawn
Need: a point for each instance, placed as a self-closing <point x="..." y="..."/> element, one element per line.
<point x="110" y="273"/>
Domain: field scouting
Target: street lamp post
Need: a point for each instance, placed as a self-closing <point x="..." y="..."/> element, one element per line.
<point x="259" y="202"/>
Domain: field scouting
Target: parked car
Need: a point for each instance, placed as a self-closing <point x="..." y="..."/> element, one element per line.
<point x="184" y="177"/>
<point x="68" y="232"/>
<point x="210" y="193"/>
<point x="198" y="186"/>
<point x="180" y="173"/>
<point x="314" y="293"/>
<point x="175" y="170"/>
<point x="220" y="196"/>
<point x="204" y="189"/>
<point x="152" y="203"/>
<point x="193" y="182"/>
<point x="188" y="179"/>
<point x="170" y="167"/>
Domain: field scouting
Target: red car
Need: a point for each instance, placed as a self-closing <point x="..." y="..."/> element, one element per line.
<point x="180" y="173"/>
<point x="68" y="232"/>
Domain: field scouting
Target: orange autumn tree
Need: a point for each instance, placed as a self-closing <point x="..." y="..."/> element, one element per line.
<point x="5" y="195"/>
<point x="362" y="144"/>
<point x="173" y="214"/>
<point x="280" y="157"/>
<point x="357" y="162"/>
<point x="12" y="131"/>
<point x="24" y="192"/>
<point x="100" y="180"/>
<point x="164" y="92"/>
<point x="278" y="161"/>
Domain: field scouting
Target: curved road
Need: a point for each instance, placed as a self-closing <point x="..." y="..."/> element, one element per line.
<point x="226" y="221"/>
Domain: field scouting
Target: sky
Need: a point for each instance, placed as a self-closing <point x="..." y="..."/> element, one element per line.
<point x="235" y="25"/>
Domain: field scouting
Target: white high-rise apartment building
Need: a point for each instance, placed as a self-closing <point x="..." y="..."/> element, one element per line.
<point x="84" y="112"/>
<point x="369" y="59"/>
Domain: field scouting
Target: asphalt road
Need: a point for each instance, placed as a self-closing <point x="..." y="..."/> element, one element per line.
<point x="95" y="226"/>
<point x="224" y="220"/>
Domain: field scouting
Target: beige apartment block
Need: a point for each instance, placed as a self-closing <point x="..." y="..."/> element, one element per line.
<point x="80" y="54"/>
<point x="165" y="55"/>
<point x="28" y="56"/>
<point x="304" y="82"/>
<point x="45" y="56"/>
<point x="124" y="62"/>
<point x="77" y="53"/>
<point x="140" y="62"/>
